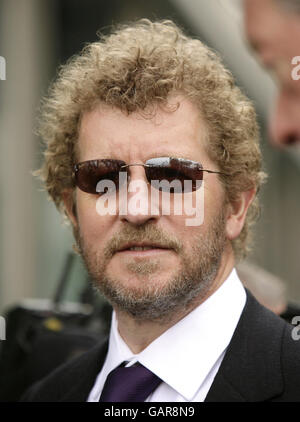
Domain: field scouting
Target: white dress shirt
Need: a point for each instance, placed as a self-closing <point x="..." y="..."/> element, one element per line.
<point x="188" y="355"/>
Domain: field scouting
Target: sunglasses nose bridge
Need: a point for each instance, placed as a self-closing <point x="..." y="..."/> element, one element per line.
<point x="134" y="165"/>
<point x="140" y="207"/>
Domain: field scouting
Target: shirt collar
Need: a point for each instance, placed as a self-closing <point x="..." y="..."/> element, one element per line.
<point x="197" y="341"/>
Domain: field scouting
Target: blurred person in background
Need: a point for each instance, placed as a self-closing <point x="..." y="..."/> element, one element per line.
<point x="268" y="289"/>
<point x="273" y="30"/>
<point x="154" y="103"/>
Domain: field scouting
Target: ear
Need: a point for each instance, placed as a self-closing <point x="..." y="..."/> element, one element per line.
<point x="237" y="214"/>
<point x="70" y="206"/>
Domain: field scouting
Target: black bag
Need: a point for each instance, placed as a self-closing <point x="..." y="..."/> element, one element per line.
<point x="41" y="335"/>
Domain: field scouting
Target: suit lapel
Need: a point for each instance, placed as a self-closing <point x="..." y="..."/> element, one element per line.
<point x="251" y="369"/>
<point x="85" y="373"/>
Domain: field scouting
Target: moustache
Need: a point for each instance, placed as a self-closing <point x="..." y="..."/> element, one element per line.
<point x="148" y="234"/>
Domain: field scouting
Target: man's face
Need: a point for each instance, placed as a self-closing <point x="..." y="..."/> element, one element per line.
<point x="275" y="36"/>
<point x="183" y="261"/>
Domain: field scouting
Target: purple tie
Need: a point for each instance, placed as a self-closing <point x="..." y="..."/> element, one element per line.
<point x="132" y="384"/>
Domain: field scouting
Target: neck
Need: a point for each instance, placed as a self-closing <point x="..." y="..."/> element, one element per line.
<point x="139" y="334"/>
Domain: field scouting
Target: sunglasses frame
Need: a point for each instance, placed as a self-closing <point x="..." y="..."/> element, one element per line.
<point x="122" y="165"/>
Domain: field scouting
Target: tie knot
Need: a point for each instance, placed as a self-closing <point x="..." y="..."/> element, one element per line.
<point x="131" y="384"/>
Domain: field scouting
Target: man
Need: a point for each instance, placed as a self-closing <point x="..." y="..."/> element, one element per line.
<point x="151" y="105"/>
<point x="273" y="29"/>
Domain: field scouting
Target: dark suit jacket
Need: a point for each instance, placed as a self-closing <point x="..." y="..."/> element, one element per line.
<point x="262" y="363"/>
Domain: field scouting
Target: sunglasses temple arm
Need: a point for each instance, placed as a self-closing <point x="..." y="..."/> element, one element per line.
<point x="213" y="171"/>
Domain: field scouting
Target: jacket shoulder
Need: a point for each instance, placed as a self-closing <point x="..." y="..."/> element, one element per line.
<point x="262" y="362"/>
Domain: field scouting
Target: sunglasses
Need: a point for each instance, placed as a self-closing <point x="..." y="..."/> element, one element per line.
<point x="88" y="174"/>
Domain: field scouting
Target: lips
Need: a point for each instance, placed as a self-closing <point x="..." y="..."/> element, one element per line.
<point x="140" y="247"/>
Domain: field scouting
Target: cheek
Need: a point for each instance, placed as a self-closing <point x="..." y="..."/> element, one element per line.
<point x="200" y="210"/>
<point x="92" y="226"/>
<point x="187" y="235"/>
<point x="214" y="201"/>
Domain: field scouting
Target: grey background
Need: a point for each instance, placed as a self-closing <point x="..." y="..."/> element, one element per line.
<point x="38" y="35"/>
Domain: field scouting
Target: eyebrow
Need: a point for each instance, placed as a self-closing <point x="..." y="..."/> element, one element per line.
<point x="253" y="45"/>
<point x="256" y="46"/>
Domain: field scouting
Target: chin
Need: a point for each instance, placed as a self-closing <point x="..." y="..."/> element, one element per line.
<point x="137" y="279"/>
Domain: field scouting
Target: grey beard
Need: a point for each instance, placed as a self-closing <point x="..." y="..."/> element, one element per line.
<point x="190" y="284"/>
<point x="162" y="305"/>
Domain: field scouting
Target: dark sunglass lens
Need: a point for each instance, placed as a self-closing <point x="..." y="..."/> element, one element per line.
<point x="89" y="173"/>
<point x="180" y="175"/>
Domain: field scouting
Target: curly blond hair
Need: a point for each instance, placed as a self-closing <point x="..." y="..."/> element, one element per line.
<point x="135" y="67"/>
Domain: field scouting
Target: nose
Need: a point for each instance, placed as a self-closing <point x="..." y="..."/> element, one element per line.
<point x="135" y="205"/>
<point x="285" y="121"/>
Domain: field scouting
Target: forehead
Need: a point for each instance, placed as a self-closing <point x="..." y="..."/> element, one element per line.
<point x="107" y="132"/>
